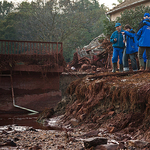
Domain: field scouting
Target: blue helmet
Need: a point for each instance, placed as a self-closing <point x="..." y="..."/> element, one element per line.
<point x="117" y="24"/>
<point x="146" y="14"/>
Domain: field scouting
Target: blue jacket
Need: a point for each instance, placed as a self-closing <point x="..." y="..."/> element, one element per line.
<point x="143" y="36"/>
<point x="131" y="40"/>
<point x="119" y="43"/>
<point x="146" y="23"/>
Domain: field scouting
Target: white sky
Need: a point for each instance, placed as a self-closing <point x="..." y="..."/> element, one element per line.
<point x="107" y="3"/>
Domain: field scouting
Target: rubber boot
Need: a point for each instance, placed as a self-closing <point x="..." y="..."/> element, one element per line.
<point x="148" y="64"/>
<point x="114" y="67"/>
<point x="120" y="67"/>
<point x="141" y="64"/>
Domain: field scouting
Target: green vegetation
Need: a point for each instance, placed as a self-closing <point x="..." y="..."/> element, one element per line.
<point x="75" y="23"/>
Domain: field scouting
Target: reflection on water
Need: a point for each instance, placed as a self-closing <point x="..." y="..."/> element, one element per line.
<point x="20" y="120"/>
<point x="29" y="121"/>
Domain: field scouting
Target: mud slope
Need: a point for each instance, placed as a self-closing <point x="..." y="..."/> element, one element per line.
<point x="119" y="103"/>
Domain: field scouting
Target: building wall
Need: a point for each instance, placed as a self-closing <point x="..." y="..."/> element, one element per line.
<point x="114" y="15"/>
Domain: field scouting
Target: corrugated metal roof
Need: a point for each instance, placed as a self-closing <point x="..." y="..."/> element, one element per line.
<point x="125" y="4"/>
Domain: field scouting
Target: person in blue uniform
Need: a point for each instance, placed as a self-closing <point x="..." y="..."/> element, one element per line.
<point x="144" y="41"/>
<point x="118" y="46"/>
<point x="130" y="48"/>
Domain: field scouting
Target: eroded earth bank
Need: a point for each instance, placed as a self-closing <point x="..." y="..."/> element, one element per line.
<point x="115" y="105"/>
<point x="105" y="111"/>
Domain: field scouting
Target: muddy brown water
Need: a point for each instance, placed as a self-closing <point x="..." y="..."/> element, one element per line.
<point x="20" y="120"/>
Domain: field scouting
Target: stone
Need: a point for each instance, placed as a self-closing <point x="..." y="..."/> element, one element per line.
<point x="4" y="132"/>
<point x="121" y="145"/>
<point x="91" y="133"/>
<point x="9" y="128"/>
<point x="74" y="122"/>
<point x="15" y="139"/>
<point x="93" y="68"/>
<point x="10" y="143"/>
<point x="137" y="143"/>
<point x="60" y="147"/>
<point x="85" y="67"/>
<point x="107" y="147"/>
<point x="94" y="141"/>
<point x="35" y="148"/>
<point x="57" y="135"/>
<point x="31" y="129"/>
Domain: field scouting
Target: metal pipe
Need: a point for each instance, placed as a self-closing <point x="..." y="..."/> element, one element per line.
<point x="12" y="90"/>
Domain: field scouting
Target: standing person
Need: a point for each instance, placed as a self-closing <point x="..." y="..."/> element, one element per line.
<point x="144" y="42"/>
<point x="130" y="48"/>
<point x="118" y="47"/>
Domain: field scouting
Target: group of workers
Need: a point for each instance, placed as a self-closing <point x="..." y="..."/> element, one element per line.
<point x="127" y="42"/>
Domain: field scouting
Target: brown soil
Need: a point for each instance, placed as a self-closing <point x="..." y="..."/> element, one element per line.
<point x="119" y="102"/>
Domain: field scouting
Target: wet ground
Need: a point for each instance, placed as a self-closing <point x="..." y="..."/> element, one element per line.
<point x="23" y="132"/>
<point x="20" y="120"/>
<point x="28" y="121"/>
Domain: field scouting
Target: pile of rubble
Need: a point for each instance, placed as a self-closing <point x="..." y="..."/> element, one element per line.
<point x="94" y="57"/>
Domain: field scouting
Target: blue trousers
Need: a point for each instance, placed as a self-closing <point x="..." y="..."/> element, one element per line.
<point x="117" y="52"/>
<point x="132" y="58"/>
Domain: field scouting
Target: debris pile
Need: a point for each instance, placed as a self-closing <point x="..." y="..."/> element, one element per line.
<point x="94" y="57"/>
